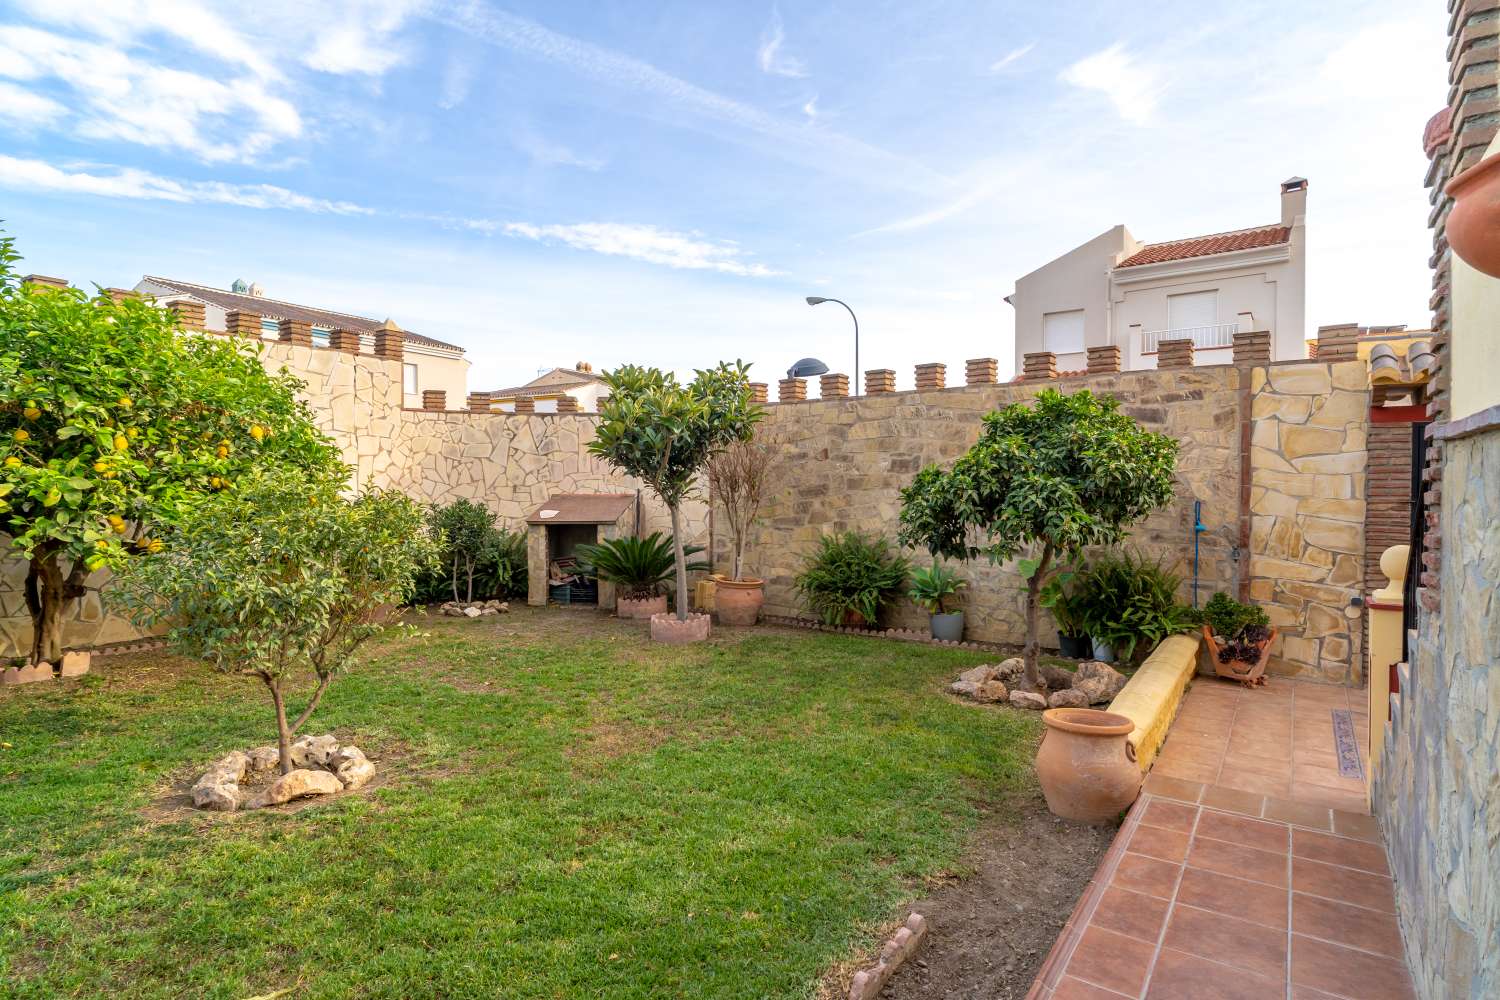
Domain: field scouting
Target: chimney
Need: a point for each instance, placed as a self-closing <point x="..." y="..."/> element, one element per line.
<point x="1293" y="200"/>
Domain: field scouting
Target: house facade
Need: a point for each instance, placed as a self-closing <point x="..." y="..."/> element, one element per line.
<point x="578" y="383"/>
<point x="427" y="363"/>
<point x="1116" y="291"/>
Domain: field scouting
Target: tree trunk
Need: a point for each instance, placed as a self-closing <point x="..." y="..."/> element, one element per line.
<point x="1030" y="653"/>
<point x="46" y="597"/>
<point x="453" y="579"/>
<point x="739" y="556"/>
<point x="682" y="601"/>
<point x="283" y="731"/>
<point x="469" y="568"/>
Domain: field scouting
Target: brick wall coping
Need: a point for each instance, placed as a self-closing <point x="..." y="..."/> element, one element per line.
<point x="1475" y="423"/>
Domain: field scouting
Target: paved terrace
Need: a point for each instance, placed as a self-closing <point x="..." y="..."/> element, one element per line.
<point x="1249" y="868"/>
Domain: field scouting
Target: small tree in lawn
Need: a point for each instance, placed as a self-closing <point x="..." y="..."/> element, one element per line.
<point x="1051" y="477"/>
<point x="112" y="423"/>
<point x="282" y="580"/>
<point x="464" y="529"/>
<point x="664" y="433"/>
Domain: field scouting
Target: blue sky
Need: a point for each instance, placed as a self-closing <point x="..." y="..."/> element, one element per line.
<point x="663" y="182"/>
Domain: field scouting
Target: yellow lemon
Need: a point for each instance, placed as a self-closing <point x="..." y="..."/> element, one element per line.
<point x="31" y="412"/>
<point x="101" y="544"/>
<point x="11" y="461"/>
<point x="126" y="402"/>
<point x="257" y="431"/>
<point x="23" y="435"/>
<point x="223" y="452"/>
<point x="155" y="546"/>
<point x="215" y="482"/>
<point x="133" y="433"/>
<point x="100" y="467"/>
<point x="121" y="442"/>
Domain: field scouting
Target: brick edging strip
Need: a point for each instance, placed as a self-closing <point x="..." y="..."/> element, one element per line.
<point x="900" y="946"/>
<point x="898" y="634"/>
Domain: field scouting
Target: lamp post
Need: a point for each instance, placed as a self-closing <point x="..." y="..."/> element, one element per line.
<point x="817" y="300"/>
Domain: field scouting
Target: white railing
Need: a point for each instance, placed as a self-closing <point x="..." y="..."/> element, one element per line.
<point x="1203" y="337"/>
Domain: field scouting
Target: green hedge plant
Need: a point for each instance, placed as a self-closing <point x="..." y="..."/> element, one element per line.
<point x="851" y="572"/>
<point x="1130" y="602"/>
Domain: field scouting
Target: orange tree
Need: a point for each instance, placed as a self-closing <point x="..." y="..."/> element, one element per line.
<point x="112" y="421"/>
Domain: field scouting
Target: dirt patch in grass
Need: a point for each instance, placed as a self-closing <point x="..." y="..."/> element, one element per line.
<point x="990" y="929"/>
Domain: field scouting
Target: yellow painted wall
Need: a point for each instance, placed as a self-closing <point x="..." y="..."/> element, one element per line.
<point x="1475" y="347"/>
<point x="1151" y="697"/>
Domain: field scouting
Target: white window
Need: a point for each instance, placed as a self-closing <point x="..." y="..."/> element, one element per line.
<point x="1062" y="332"/>
<point x="409" y="379"/>
<point x="1193" y="310"/>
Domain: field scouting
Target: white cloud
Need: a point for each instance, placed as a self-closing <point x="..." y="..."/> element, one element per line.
<point x="1132" y="86"/>
<point x="770" y="56"/>
<point x="1014" y="55"/>
<point x="648" y="243"/>
<point x="122" y="98"/>
<point x="128" y="182"/>
<point x="458" y="78"/>
<point x="20" y="106"/>
<point x="551" y="154"/>
<point x="810" y="109"/>
<point x="359" y="39"/>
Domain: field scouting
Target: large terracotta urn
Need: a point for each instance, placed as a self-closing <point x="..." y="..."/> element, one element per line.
<point x="739" y="601"/>
<point x="1473" y="226"/>
<point x="642" y="607"/>
<point x="1086" y="766"/>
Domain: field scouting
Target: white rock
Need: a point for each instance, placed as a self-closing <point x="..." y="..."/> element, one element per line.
<point x="1028" y="699"/>
<point x="263" y="759"/>
<point x="294" y="785"/>
<point x="219" y="796"/>
<point x="314" y="751"/>
<point x="472" y="612"/>
<point x="352" y="767"/>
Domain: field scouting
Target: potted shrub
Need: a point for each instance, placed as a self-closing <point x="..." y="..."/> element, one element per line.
<point x="1060" y="598"/>
<point x="663" y="433"/>
<point x="1129" y="604"/>
<point x="934" y="589"/>
<point x="640" y="567"/>
<point x="739" y="478"/>
<point x="849" y="576"/>
<point x="1239" y="638"/>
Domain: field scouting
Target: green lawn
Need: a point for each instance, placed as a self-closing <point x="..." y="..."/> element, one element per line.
<point x="564" y="810"/>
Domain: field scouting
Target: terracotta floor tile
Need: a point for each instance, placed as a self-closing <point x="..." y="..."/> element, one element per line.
<point x="1338" y="851"/>
<point x="1203" y="741"/>
<point x="1308" y="993"/>
<point x="1241" y="862"/>
<point x="1298" y="813"/>
<point x="1329" y="777"/>
<point x="1186" y="770"/>
<point x="1180" y="976"/>
<point x="1233" y="800"/>
<point x="1360" y="827"/>
<point x="1173" y="788"/>
<point x="1252" y="781"/>
<point x="1234" y="897"/>
<point x="1315" y="757"/>
<point x="1252" y="947"/>
<point x="1133" y="914"/>
<point x="1354" y="926"/>
<point x="1331" y="797"/>
<point x="1111" y="960"/>
<point x="1076" y="989"/>
<point x="1169" y="815"/>
<point x="1348" y="973"/>
<point x="1243" y="830"/>
<point x="1168" y="845"/>
<point x="1346" y="884"/>
<point x="1242" y="746"/>
<point x="1148" y="875"/>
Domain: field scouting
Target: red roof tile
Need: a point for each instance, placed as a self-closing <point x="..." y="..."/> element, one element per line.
<point x="1203" y="246"/>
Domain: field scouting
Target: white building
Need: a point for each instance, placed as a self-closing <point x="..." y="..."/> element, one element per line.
<point x="548" y="387"/>
<point x="1116" y="290"/>
<point x="427" y="363"/>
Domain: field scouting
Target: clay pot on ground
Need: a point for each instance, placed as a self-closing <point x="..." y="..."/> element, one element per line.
<point x="667" y="628"/>
<point x="854" y="619"/>
<point x="739" y="601"/>
<point x="1086" y="765"/>
<point x="1074" y="647"/>
<point x="642" y="607"/>
<point x="1473" y="226"/>
<point x="948" y="628"/>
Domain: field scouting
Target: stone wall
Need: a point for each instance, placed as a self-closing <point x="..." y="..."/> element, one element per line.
<point x="1307" y="512"/>
<point x="845" y="461"/>
<point x="1437" y="791"/>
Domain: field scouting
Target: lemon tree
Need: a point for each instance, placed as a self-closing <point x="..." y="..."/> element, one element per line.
<point x="114" y="422"/>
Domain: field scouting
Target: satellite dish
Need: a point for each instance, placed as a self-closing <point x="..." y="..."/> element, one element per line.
<point x="806" y="368"/>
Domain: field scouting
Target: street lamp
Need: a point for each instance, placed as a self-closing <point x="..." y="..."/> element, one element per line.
<point x="817" y="300"/>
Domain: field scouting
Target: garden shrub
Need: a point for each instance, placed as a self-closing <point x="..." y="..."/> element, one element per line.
<point x="641" y="567"/>
<point x="477" y="560"/>
<point x="851" y="572"/>
<point x="1130" y="602"/>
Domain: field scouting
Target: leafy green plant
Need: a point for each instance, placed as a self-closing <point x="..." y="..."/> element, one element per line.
<point x="475" y="556"/>
<point x="1130" y="602"/>
<point x="114" y="424"/>
<point x="639" y="566"/>
<point x="1228" y="617"/>
<point x="502" y="565"/>
<point x="281" y="578"/>
<point x="465" y="529"/>
<point x="664" y="433"/>
<point x="1059" y="596"/>
<point x="932" y="587"/>
<point x="1051" y="477"/>
<point x="851" y="572"/>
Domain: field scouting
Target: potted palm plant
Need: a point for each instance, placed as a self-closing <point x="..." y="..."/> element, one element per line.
<point x="935" y="589"/>
<point x="739" y="478"/>
<point x="640" y="567"/>
<point x="1239" y="638"/>
<point x="849" y="576"/>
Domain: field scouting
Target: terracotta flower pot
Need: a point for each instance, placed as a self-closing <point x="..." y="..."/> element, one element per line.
<point x="739" y="601"/>
<point x="1473" y="227"/>
<point x="667" y="628"/>
<point x="644" y="607"/>
<point x="1086" y="766"/>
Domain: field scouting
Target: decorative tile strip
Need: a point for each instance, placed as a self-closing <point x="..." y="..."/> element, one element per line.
<point x="1345" y="745"/>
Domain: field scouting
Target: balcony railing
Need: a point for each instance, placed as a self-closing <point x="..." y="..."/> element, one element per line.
<point x="1203" y="337"/>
